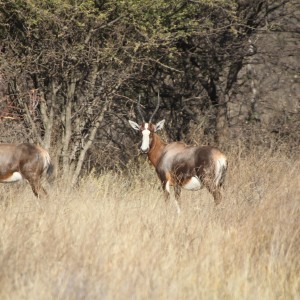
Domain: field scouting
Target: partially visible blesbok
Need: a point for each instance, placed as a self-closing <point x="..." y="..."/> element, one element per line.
<point x="25" y="161"/>
<point x="180" y="165"/>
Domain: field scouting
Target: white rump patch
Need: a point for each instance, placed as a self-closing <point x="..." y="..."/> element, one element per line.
<point x="221" y="164"/>
<point x="46" y="157"/>
<point x="16" y="176"/>
<point x="47" y="160"/>
<point x="193" y="184"/>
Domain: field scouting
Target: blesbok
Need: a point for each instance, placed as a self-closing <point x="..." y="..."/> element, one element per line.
<point x="25" y="161"/>
<point x="180" y="165"/>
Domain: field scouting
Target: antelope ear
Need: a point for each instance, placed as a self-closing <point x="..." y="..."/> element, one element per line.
<point x="134" y="125"/>
<point x="160" y="125"/>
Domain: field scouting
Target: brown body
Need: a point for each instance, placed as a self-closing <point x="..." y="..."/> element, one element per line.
<point x="183" y="166"/>
<point x="24" y="161"/>
<point x="177" y="163"/>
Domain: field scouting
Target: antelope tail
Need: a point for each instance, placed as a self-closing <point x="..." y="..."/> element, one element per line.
<point x="50" y="170"/>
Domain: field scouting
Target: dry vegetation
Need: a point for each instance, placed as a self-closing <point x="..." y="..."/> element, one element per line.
<point x="114" y="237"/>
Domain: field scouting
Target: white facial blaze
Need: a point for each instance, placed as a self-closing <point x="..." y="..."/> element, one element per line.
<point x="146" y="138"/>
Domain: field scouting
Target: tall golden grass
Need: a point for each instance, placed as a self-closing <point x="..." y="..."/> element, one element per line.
<point x="114" y="237"/>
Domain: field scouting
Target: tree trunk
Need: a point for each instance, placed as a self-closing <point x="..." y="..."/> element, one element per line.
<point x="67" y="123"/>
<point x="88" y="144"/>
<point x="222" y="133"/>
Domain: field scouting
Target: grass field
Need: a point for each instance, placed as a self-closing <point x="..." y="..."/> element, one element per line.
<point x="114" y="237"/>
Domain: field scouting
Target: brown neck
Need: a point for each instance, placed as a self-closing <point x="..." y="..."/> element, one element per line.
<point x="156" y="148"/>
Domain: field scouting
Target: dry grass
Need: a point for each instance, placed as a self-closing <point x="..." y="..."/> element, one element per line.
<point x="115" y="238"/>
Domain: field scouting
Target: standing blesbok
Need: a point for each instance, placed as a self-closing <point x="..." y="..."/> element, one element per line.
<point x="180" y="165"/>
<point x="25" y="161"/>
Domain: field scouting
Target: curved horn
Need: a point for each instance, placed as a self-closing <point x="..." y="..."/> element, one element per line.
<point x="139" y="109"/>
<point x="156" y="108"/>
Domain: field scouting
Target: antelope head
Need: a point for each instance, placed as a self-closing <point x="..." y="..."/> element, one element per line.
<point x="147" y="128"/>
